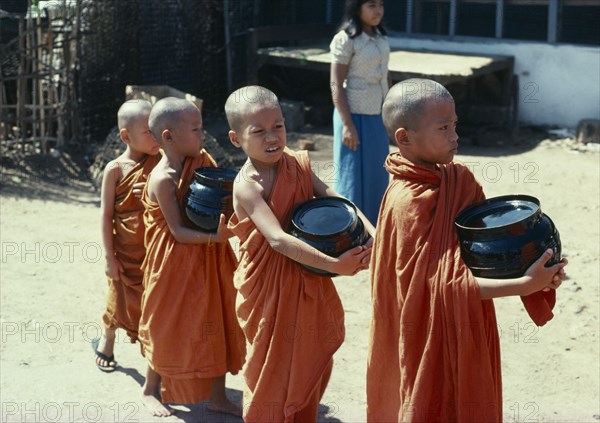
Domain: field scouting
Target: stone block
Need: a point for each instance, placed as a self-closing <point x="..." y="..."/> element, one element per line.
<point x="293" y="112"/>
<point x="307" y="145"/>
<point x="588" y="130"/>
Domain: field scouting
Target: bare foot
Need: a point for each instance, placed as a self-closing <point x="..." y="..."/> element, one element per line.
<point x="154" y="406"/>
<point x="224" y="406"/>
<point x="151" y="395"/>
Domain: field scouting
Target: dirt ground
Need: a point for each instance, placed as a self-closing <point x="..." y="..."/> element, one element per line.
<point x="53" y="287"/>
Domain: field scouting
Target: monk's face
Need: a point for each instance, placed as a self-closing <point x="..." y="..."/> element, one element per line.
<point x="139" y="137"/>
<point x="435" y="140"/>
<point x="187" y="134"/>
<point x="262" y="134"/>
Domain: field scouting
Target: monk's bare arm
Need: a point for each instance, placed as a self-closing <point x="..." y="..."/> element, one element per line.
<point x="110" y="179"/>
<point x="536" y="278"/>
<point x="164" y="189"/>
<point x="248" y="196"/>
<point x="495" y="288"/>
<point x="321" y="189"/>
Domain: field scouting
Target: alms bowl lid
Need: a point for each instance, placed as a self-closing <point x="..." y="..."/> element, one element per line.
<point x="324" y="216"/>
<point x="498" y="212"/>
<point x="218" y="173"/>
<point x="220" y="177"/>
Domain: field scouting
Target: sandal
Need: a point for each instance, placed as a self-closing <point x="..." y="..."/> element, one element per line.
<point x="111" y="359"/>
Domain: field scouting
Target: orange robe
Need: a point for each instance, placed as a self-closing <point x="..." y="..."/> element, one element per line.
<point x="188" y="328"/>
<point x="124" y="296"/>
<point x="433" y="349"/>
<point x="293" y="319"/>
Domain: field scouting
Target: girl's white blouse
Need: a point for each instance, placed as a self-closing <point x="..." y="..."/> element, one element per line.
<point x="367" y="58"/>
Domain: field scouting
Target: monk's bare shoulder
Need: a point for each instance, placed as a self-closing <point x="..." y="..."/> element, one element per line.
<point x="249" y="184"/>
<point x="113" y="172"/>
<point x="119" y="167"/>
<point x="161" y="180"/>
<point x="248" y="191"/>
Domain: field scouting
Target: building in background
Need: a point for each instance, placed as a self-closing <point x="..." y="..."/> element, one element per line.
<point x="555" y="43"/>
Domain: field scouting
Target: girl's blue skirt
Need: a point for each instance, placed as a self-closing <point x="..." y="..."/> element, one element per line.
<point x="360" y="175"/>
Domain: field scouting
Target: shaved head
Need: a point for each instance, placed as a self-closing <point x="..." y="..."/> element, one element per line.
<point x="132" y="110"/>
<point x="406" y="103"/>
<point x="166" y="113"/>
<point x="246" y="99"/>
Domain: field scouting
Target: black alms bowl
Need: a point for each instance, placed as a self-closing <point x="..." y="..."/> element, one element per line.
<point x="502" y="236"/>
<point x="329" y="224"/>
<point x="209" y="195"/>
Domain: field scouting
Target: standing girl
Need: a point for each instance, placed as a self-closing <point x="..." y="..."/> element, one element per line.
<point x="359" y="83"/>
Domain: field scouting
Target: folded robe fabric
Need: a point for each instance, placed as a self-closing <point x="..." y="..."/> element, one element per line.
<point x="293" y="319"/>
<point x="124" y="296"/>
<point x="188" y="328"/>
<point x="433" y="350"/>
<point x="539" y="306"/>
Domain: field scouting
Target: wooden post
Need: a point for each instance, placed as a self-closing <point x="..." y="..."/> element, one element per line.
<point x="66" y="98"/>
<point x="40" y="82"/>
<point x="22" y="82"/>
<point x="4" y="127"/>
<point x="73" y="73"/>
<point x="31" y="37"/>
<point x="52" y="88"/>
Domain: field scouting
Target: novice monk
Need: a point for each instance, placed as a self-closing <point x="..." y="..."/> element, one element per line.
<point x="434" y="349"/>
<point x="188" y="329"/>
<point x="123" y="227"/>
<point x="293" y="319"/>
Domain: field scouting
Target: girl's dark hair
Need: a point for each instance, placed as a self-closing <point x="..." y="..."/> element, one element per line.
<point x="351" y="23"/>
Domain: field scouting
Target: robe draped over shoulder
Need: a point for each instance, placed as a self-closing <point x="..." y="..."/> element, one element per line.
<point x="124" y="297"/>
<point x="188" y="328"/>
<point x="293" y="319"/>
<point x="433" y="349"/>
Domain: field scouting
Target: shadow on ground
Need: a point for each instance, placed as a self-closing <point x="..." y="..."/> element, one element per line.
<point x="58" y="177"/>
<point x="199" y="412"/>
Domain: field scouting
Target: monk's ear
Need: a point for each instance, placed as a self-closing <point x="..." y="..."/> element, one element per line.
<point x="167" y="136"/>
<point x="124" y="134"/>
<point x="401" y="137"/>
<point x="234" y="138"/>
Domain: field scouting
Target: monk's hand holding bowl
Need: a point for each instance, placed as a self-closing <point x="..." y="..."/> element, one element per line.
<point x="557" y="279"/>
<point x="223" y="233"/>
<point x="351" y="262"/>
<point x="367" y="259"/>
<point x="538" y="277"/>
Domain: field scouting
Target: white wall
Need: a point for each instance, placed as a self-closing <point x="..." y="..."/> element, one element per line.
<point x="559" y="84"/>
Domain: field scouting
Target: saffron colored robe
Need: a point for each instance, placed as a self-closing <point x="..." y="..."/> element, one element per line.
<point x="293" y="319"/>
<point x="188" y="328"/>
<point x="124" y="297"/>
<point x="434" y="351"/>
